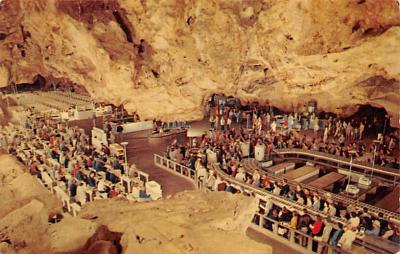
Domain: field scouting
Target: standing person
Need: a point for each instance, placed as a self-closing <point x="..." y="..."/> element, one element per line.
<point x="326" y="131"/>
<point x="212" y="122"/>
<point x="267" y="120"/>
<point x="223" y="122"/>
<point x="316" y="127"/>
<point x="81" y="194"/>
<point x="248" y="121"/>
<point x="229" y="123"/>
<point x="273" y="126"/>
<point x="361" y="130"/>
<point x="238" y="115"/>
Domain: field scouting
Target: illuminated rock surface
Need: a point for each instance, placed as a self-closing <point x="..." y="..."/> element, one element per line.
<point x="164" y="58"/>
<point x="194" y="222"/>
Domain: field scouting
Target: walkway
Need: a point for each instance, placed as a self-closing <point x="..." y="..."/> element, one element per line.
<point x="141" y="150"/>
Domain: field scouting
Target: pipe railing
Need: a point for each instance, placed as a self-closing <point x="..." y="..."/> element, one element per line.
<point x="262" y="194"/>
<point x="254" y="190"/>
<point x="340" y="160"/>
<point x="333" y="196"/>
<point x="298" y="240"/>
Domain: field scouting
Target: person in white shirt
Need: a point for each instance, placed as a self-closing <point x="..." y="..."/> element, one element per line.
<point x="211" y="180"/>
<point x="201" y="174"/>
<point x="273" y="126"/>
<point x="348" y="238"/>
<point x="241" y="176"/>
<point x="354" y="220"/>
<point x="81" y="194"/>
<point x="101" y="186"/>
<point x="223" y="123"/>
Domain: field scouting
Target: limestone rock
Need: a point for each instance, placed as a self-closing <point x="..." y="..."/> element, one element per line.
<point x="9" y="169"/>
<point x="190" y="222"/>
<point x="71" y="234"/>
<point x="163" y="59"/>
<point x="22" y="190"/>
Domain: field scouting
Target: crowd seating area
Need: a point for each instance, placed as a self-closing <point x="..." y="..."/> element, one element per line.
<point x="67" y="164"/>
<point x="217" y="164"/>
<point x="53" y="100"/>
<point x="272" y="203"/>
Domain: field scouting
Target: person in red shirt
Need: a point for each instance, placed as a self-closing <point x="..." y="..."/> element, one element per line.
<point x="113" y="192"/>
<point x="52" y="140"/>
<point x="265" y="181"/>
<point x="316" y="228"/>
<point x="76" y="169"/>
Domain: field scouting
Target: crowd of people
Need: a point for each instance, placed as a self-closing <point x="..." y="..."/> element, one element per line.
<point x="332" y="135"/>
<point x="231" y="127"/>
<point x="64" y="153"/>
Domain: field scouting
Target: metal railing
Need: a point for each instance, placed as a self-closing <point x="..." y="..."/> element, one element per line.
<point x="262" y="194"/>
<point x="250" y="189"/>
<point x="340" y="162"/>
<point x="297" y="239"/>
<point x="335" y="197"/>
<point x="176" y="168"/>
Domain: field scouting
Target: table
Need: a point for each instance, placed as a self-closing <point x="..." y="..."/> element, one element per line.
<point x="281" y="168"/>
<point x="327" y="180"/>
<point x="363" y="191"/>
<point x="302" y="173"/>
<point x="391" y="201"/>
<point x="377" y="244"/>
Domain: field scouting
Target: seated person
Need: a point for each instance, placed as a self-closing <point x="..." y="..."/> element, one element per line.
<point x="72" y="188"/>
<point x="91" y="181"/>
<point x="113" y="192"/>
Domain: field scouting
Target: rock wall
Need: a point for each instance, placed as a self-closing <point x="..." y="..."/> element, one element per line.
<point x="165" y="58"/>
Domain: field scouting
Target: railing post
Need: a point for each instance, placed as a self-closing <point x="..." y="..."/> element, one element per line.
<point x="275" y="227"/>
<point x="261" y="221"/>
<point x="291" y="235"/>
<point x="309" y="243"/>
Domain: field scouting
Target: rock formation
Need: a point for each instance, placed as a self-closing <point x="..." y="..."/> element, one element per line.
<point x="165" y="58"/>
<point x="194" y="222"/>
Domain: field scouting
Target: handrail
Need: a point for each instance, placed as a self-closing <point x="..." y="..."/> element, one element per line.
<point x="337" y="159"/>
<point x="334" y="196"/>
<point x="291" y="235"/>
<point x="250" y="188"/>
<point x="262" y="194"/>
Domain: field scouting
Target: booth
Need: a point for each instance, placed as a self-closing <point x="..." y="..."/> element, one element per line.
<point x="193" y="133"/>
<point x="99" y="137"/>
<point x="245" y="147"/>
<point x="117" y="150"/>
<point x="259" y="152"/>
<point x="128" y="127"/>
